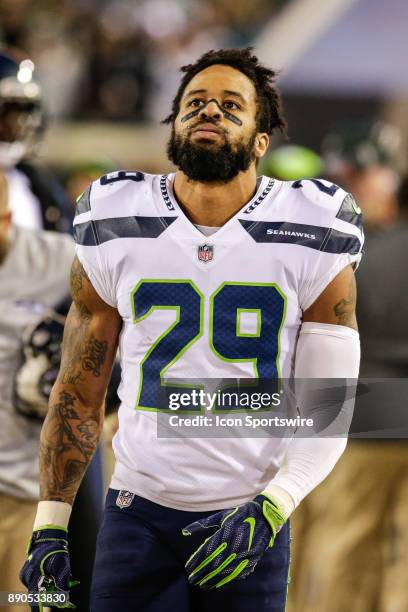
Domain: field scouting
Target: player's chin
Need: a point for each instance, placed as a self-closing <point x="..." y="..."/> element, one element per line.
<point x="207" y="144"/>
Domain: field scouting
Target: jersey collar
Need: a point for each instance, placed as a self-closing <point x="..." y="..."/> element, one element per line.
<point x="265" y="185"/>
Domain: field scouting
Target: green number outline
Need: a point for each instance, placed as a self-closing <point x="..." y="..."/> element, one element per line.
<point x="258" y="323"/>
<point x="176" y="308"/>
<point x="253" y="360"/>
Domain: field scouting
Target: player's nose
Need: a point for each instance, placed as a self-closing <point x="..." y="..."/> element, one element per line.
<point x="211" y="110"/>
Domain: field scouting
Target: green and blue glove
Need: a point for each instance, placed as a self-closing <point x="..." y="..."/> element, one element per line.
<point x="47" y="568"/>
<point x="237" y="541"/>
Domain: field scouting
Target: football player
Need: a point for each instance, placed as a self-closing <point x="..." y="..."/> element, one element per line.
<point x="35" y="197"/>
<point x="29" y="332"/>
<point x="205" y="273"/>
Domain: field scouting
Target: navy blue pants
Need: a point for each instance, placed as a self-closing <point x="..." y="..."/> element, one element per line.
<point x="139" y="565"/>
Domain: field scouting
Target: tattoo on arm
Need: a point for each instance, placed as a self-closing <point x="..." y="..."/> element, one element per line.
<point x="78" y="275"/>
<point x="345" y="308"/>
<point x="70" y="375"/>
<point x="89" y="357"/>
<point x="94" y="356"/>
<point x="67" y="444"/>
<point x="74" y="421"/>
<point x="81" y="354"/>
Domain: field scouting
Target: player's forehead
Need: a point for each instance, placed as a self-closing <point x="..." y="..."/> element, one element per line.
<point x="219" y="79"/>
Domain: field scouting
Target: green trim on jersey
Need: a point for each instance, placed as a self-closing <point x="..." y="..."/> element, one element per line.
<point x="238" y="332"/>
<point x="176" y="308"/>
<point x="253" y="360"/>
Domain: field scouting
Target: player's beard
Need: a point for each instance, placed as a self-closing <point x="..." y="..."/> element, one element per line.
<point x="209" y="163"/>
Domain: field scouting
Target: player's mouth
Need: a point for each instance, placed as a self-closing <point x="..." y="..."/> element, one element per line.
<point x="207" y="131"/>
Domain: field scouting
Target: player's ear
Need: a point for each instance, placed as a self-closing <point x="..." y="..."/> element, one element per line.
<point x="261" y="144"/>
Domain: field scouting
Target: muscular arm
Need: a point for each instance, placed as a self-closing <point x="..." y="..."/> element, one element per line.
<point x="337" y="303"/>
<point x="74" y="421"/>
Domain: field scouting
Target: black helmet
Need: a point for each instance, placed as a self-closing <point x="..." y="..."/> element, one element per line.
<point x="21" y="116"/>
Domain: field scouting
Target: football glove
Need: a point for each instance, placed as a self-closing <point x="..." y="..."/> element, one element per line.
<point x="47" y="568"/>
<point x="239" y="537"/>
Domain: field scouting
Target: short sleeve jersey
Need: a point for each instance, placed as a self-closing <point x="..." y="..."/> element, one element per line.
<point x="201" y="307"/>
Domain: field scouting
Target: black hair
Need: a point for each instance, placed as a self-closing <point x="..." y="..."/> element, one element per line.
<point x="269" y="114"/>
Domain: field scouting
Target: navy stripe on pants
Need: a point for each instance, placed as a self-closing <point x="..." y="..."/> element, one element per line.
<point x="139" y="565"/>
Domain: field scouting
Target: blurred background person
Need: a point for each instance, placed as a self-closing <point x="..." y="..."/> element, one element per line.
<point x="34" y="300"/>
<point x="363" y="155"/>
<point x="363" y="158"/>
<point x="34" y="278"/>
<point x="35" y="197"/>
<point x="37" y="201"/>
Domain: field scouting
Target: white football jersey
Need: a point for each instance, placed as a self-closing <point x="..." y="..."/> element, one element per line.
<point x="227" y="305"/>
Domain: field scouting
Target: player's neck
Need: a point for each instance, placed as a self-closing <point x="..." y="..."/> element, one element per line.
<point x="213" y="204"/>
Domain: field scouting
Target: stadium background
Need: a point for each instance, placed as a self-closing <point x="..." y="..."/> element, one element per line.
<point x="108" y="71"/>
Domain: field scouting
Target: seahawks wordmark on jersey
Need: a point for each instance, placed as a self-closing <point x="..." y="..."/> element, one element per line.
<point x="228" y="305"/>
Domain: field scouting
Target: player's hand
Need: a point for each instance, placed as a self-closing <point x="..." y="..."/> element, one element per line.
<point x="47" y="568"/>
<point x="236" y="540"/>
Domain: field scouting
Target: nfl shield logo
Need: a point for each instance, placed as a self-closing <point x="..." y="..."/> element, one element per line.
<point x="124" y="499"/>
<point x="205" y="252"/>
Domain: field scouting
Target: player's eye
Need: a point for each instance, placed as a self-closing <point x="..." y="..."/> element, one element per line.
<point x="230" y="105"/>
<point x="195" y="102"/>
